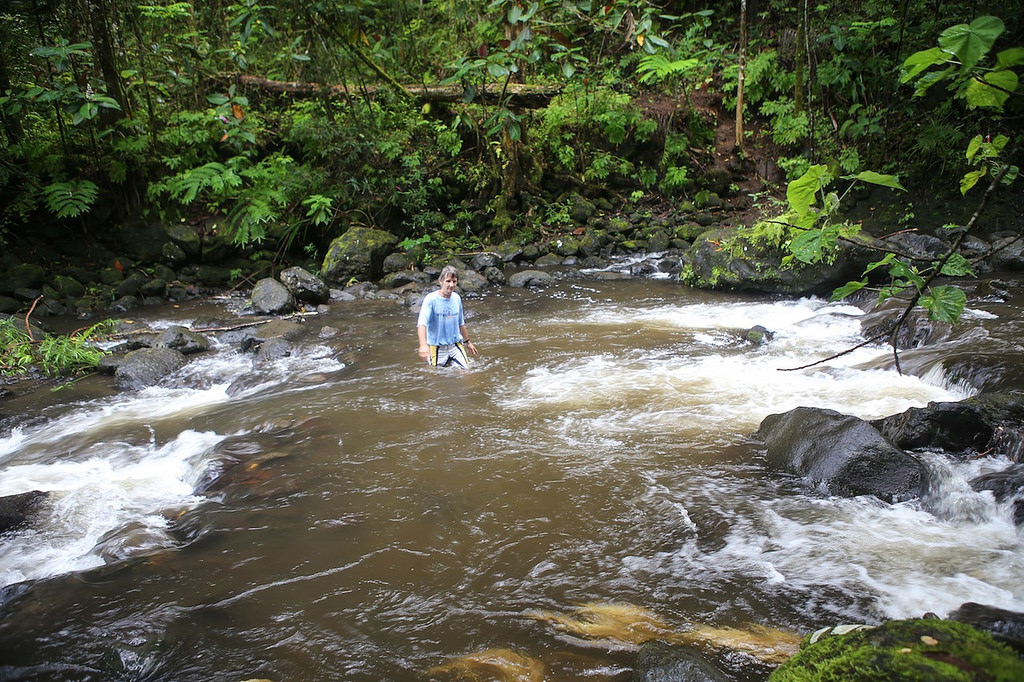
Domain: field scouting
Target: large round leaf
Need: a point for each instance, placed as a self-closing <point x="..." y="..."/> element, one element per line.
<point x="970" y="42"/>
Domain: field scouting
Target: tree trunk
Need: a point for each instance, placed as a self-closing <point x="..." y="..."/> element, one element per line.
<point x="104" y="52"/>
<point x="741" y="74"/>
<point x="798" y="68"/>
<point x="12" y="124"/>
<point x="513" y="94"/>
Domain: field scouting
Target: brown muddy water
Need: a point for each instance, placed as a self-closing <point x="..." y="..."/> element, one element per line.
<point x="348" y="513"/>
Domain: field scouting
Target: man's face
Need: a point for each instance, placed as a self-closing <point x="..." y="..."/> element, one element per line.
<point x="448" y="285"/>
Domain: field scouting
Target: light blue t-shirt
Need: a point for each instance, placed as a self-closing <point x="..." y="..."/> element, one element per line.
<point x="442" y="317"/>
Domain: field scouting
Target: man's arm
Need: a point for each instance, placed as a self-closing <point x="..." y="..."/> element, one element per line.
<point x="424" y="350"/>
<point x="465" y="335"/>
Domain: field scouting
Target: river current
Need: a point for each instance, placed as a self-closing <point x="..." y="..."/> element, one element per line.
<point x="348" y="513"/>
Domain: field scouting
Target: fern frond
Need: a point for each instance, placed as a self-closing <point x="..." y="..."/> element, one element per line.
<point x="70" y="199"/>
<point x="186" y="186"/>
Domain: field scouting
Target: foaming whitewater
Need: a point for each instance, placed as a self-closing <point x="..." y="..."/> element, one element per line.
<point x="955" y="546"/>
<point x="106" y="489"/>
<point x="117" y="471"/>
<point x="685" y="373"/>
<point x="701" y="374"/>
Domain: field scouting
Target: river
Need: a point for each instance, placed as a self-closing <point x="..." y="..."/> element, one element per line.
<point x="348" y="513"/>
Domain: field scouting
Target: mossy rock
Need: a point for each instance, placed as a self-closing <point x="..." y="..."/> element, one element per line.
<point x="929" y="650"/>
<point x="358" y="254"/>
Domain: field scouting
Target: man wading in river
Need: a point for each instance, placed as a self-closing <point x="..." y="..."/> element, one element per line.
<point x="444" y="339"/>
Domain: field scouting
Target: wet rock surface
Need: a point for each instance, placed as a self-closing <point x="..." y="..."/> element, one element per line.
<point x="839" y="454"/>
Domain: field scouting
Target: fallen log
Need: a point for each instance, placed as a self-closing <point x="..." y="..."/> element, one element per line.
<point x="517" y="94"/>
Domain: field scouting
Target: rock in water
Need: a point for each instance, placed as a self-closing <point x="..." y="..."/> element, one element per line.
<point x="929" y="650"/>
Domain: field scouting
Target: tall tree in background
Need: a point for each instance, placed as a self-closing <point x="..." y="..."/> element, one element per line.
<point x="102" y="15"/>
<point x="741" y="74"/>
<point x="801" y="56"/>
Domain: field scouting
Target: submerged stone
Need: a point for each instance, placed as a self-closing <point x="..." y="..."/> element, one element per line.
<point x="661" y="662"/>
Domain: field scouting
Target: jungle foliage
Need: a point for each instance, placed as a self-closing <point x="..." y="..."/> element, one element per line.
<point x="22" y="348"/>
<point x="965" y="65"/>
<point x="166" y="110"/>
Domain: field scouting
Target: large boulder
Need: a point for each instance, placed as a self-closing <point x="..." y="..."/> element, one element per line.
<point x="181" y="339"/>
<point x="484" y="260"/>
<point x="921" y="247"/>
<point x="146" y="367"/>
<point x="22" y="276"/>
<point x="839" y="454"/>
<point x="185" y="238"/>
<point x="66" y="286"/>
<point x="928" y="650"/>
<point x="530" y="278"/>
<point x="508" y="251"/>
<point x="305" y="286"/>
<point x="270" y="297"/>
<point x="358" y="254"/>
<point x="143" y="241"/>
<point x="273" y="349"/>
<point x="951" y="426"/>
<point x="990" y="421"/>
<point x="32" y="331"/>
<point x="470" y="281"/>
<point x="760" y="268"/>
<point x="249" y="338"/>
<point x="15" y="510"/>
<point x="1008" y="253"/>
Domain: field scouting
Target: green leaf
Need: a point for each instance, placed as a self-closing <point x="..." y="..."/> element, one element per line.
<point x="1011" y="57"/>
<point x="973" y="146"/>
<point x="106" y="102"/>
<point x="991" y="90"/>
<point x="889" y="258"/>
<point x="957" y="266"/>
<point x="802" y="191"/>
<point x="811" y="246"/>
<point x="850" y="287"/>
<point x="971" y="179"/>
<point x="892" y="181"/>
<point x="70" y="199"/>
<point x="807" y="246"/>
<point x="918" y="62"/>
<point x="929" y="79"/>
<point x="944" y="303"/>
<point x="886" y="293"/>
<point x="899" y="270"/>
<point x="971" y="42"/>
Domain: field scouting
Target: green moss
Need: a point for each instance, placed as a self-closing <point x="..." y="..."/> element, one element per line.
<point x="618" y="225"/>
<point x="926" y="650"/>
